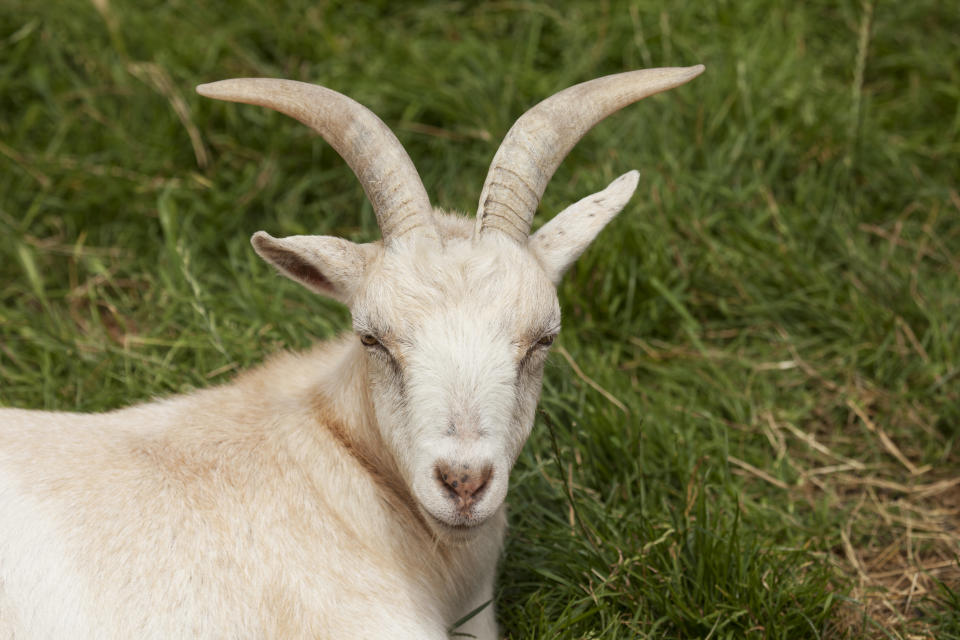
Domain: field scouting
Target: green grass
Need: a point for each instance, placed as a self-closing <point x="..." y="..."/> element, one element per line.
<point x="778" y="308"/>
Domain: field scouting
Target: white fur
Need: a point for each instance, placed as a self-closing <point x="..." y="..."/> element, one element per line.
<point x="301" y="500"/>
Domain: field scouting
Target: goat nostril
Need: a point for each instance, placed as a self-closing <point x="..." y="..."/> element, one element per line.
<point x="481" y="487"/>
<point x="463" y="486"/>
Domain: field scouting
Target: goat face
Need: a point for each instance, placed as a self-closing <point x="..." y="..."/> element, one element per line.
<point x="456" y="338"/>
<point x="455" y="322"/>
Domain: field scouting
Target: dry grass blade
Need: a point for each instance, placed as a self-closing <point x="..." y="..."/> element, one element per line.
<point x="760" y="473"/>
<point x="580" y="374"/>
<point x="159" y="79"/>
<point x="885" y="440"/>
<point x="818" y="446"/>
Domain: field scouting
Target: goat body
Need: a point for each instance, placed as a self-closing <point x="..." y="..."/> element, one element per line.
<point x="352" y="491"/>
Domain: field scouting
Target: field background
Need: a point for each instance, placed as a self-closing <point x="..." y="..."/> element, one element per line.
<point x="750" y="422"/>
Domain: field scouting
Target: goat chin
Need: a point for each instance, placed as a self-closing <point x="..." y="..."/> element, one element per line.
<point x="458" y="534"/>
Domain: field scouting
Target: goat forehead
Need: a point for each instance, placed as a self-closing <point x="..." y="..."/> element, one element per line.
<point x="499" y="288"/>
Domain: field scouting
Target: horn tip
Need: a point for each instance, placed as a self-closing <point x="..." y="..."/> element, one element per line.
<point x="205" y="89"/>
<point x="235" y="89"/>
<point x="689" y="73"/>
<point x="215" y="90"/>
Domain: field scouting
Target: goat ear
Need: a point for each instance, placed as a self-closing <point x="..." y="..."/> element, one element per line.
<point x="329" y="266"/>
<point x="561" y="241"/>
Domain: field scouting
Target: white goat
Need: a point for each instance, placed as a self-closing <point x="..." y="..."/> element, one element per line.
<point x="354" y="491"/>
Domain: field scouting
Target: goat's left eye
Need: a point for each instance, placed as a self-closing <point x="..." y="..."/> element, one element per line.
<point x="369" y="340"/>
<point x="546" y="341"/>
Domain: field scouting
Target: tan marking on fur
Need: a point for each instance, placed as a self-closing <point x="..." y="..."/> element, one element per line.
<point x="381" y="470"/>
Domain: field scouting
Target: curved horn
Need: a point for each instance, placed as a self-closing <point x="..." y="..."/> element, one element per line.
<point x="539" y="141"/>
<point x="376" y="156"/>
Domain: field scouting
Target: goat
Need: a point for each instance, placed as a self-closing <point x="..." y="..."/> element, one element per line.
<point x="355" y="490"/>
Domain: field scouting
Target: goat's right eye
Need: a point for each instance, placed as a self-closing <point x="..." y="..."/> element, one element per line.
<point x="369" y="340"/>
<point x="546" y="341"/>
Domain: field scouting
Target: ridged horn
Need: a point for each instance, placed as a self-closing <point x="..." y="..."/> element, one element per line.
<point x="543" y="136"/>
<point x="379" y="161"/>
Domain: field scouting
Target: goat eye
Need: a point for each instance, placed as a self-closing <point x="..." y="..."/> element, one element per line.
<point x="546" y="341"/>
<point x="368" y="340"/>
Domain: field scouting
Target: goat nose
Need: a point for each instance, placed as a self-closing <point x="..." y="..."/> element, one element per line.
<point x="464" y="485"/>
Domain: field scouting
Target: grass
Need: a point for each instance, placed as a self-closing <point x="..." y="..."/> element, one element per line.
<point x="777" y="309"/>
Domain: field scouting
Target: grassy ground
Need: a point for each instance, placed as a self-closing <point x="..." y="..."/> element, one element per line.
<point x="750" y="424"/>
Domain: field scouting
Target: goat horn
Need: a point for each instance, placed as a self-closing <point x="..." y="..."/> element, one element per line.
<point x="543" y="136"/>
<point x="374" y="154"/>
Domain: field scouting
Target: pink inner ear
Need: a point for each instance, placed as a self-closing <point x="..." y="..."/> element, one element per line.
<point x="300" y="270"/>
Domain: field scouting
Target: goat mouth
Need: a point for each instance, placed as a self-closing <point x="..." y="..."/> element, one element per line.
<point x="458" y="530"/>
